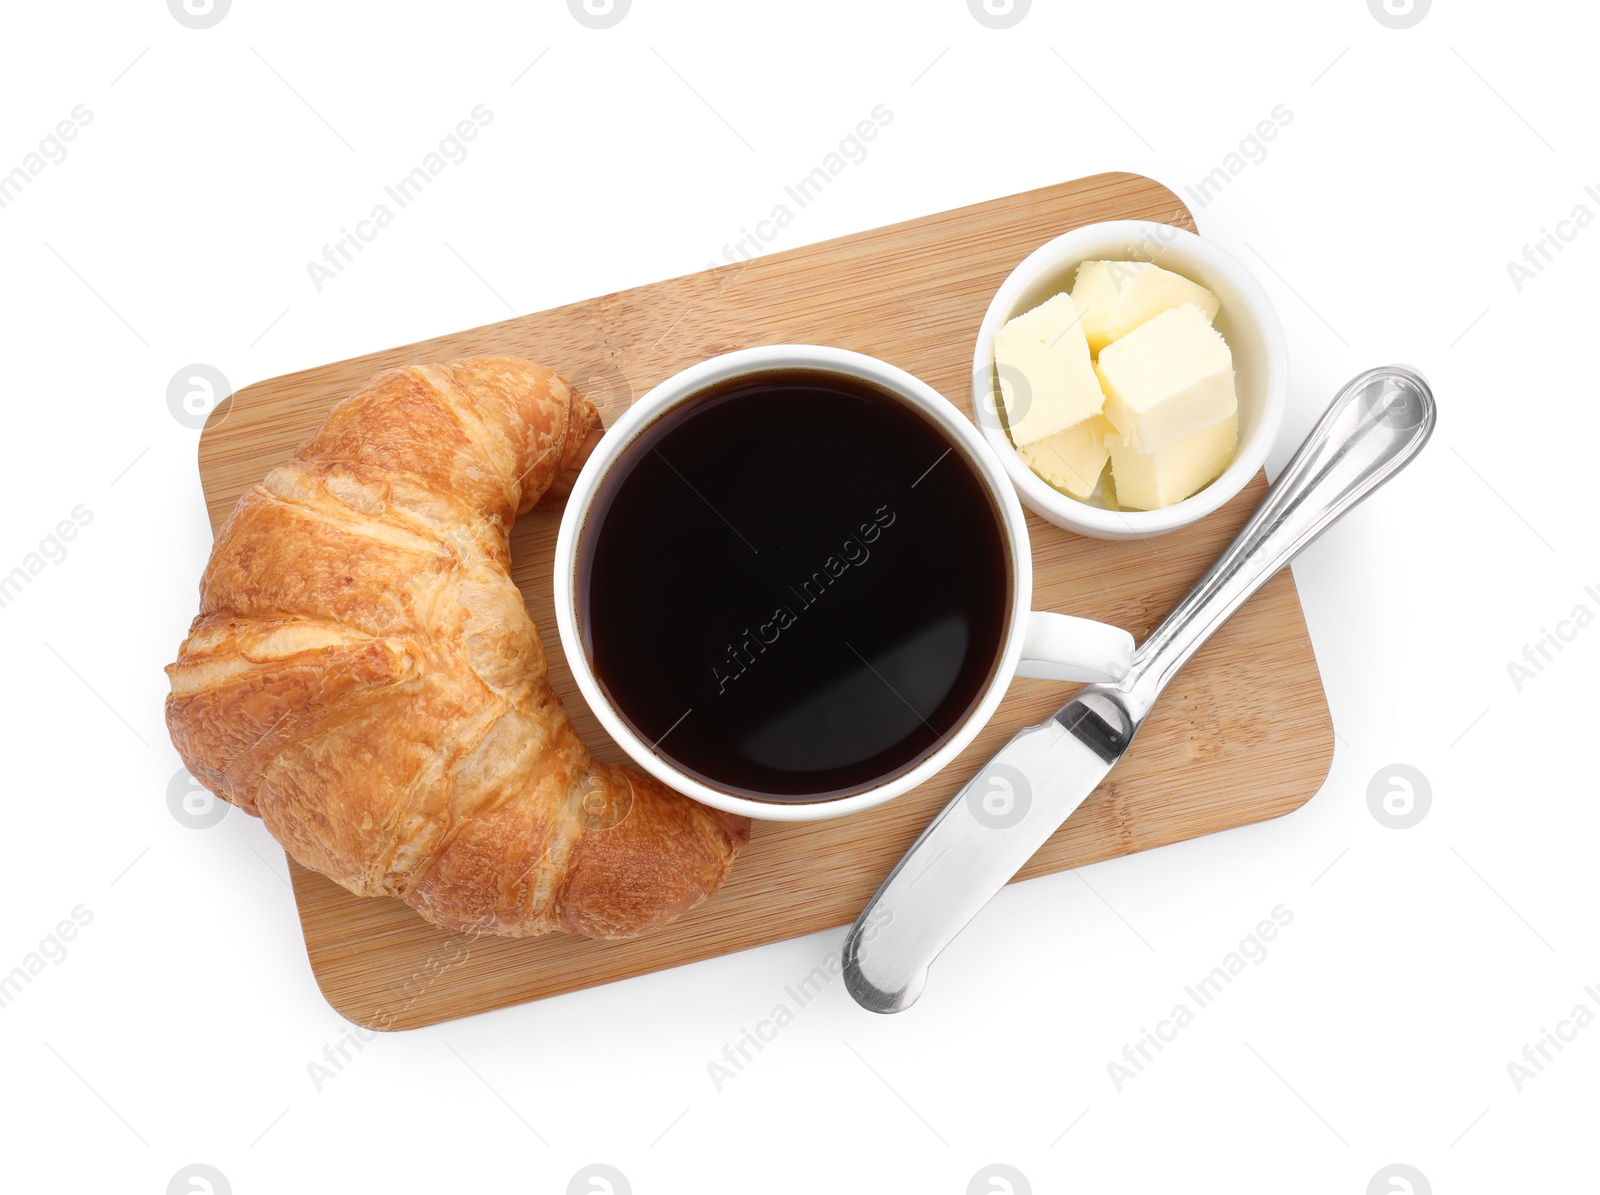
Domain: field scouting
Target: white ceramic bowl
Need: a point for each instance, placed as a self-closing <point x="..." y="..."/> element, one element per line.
<point x="1247" y="321"/>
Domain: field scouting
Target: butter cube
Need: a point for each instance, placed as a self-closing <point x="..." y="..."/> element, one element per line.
<point x="1151" y="481"/>
<point x="1094" y="293"/>
<point x="1167" y="379"/>
<point x="1047" y="381"/>
<point x="1115" y="297"/>
<point x="1072" y="460"/>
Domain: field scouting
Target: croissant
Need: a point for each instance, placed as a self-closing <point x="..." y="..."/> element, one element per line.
<point x="363" y="675"/>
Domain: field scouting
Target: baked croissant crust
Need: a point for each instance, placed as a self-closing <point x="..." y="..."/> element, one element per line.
<point x="363" y="675"/>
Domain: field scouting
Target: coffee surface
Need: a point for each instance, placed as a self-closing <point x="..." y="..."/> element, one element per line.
<point x="793" y="586"/>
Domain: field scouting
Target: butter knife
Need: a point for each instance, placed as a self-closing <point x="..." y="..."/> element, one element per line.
<point x="1376" y="424"/>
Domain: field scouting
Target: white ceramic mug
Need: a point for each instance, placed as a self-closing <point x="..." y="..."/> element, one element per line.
<point x="1036" y="643"/>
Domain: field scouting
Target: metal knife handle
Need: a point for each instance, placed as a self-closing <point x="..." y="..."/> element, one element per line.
<point x="1377" y="423"/>
<point x="1001" y="817"/>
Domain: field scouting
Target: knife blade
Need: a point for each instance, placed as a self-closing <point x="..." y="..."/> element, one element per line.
<point x="1375" y="425"/>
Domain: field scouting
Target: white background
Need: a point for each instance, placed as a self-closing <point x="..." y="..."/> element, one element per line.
<point x="1419" y="962"/>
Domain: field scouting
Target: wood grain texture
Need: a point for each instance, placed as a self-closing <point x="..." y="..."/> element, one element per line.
<point x="1243" y="734"/>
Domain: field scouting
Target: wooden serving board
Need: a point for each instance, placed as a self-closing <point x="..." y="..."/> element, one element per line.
<point x="1242" y="735"/>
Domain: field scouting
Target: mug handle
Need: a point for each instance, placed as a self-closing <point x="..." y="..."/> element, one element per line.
<point x="1061" y="647"/>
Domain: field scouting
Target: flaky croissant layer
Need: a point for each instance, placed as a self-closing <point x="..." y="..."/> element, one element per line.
<point x="364" y="677"/>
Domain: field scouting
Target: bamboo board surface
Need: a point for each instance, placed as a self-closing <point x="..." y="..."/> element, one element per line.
<point x="1242" y="735"/>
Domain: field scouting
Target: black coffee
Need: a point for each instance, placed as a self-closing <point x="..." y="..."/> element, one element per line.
<point x="793" y="586"/>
